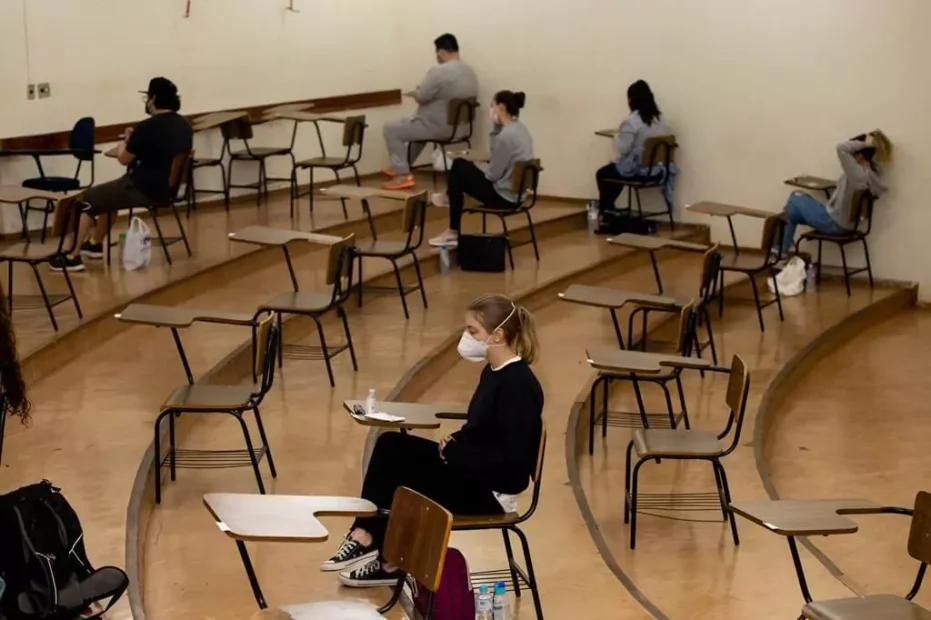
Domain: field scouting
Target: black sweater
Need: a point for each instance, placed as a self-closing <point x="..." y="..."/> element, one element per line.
<point x="500" y="440"/>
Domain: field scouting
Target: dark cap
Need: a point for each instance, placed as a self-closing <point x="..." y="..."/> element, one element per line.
<point x="161" y="88"/>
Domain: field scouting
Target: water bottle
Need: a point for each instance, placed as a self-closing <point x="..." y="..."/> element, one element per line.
<point x="122" y="242"/>
<point x="500" y="603"/>
<point x="370" y="403"/>
<point x="810" y="278"/>
<point x="592" y="210"/>
<point x="484" y="604"/>
<point x="444" y="259"/>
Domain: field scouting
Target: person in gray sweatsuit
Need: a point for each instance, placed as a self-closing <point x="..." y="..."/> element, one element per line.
<point x="451" y="79"/>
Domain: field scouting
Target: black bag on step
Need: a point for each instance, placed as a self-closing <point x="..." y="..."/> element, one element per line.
<point x="43" y="560"/>
<point x="482" y="252"/>
<point x="617" y="222"/>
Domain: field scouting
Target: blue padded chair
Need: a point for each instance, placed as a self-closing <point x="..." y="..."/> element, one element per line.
<point x="81" y="147"/>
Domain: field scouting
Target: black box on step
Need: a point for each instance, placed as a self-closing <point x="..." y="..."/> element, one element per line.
<point x="482" y="252"/>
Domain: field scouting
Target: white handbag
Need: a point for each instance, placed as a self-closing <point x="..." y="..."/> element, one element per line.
<point x="791" y="279"/>
<point x="137" y="250"/>
<point x="438" y="155"/>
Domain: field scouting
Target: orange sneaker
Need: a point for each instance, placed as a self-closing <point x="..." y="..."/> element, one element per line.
<point x="388" y="172"/>
<point x="405" y="182"/>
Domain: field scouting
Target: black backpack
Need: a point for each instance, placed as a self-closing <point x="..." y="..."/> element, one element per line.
<point x="43" y="560"/>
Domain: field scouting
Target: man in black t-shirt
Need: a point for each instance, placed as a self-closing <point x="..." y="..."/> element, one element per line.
<point x="147" y="151"/>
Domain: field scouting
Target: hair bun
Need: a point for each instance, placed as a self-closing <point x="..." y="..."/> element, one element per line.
<point x="520" y="98"/>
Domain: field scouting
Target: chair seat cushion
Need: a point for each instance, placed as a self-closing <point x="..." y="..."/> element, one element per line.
<point x="52" y="184"/>
<point x="380" y="248"/>
<point x="333" y="610"/>
<point x="851" y="235"/>
<point x="210" y="397"/>
<point x="877" y="607"/>
<point x="299" y="302"/>
<point x="660" y="442"/>
<point x="258" y="152"/>
<point x="641" y="180"/>
<point x="745" y="262"/>
<point x="322" y="162"/>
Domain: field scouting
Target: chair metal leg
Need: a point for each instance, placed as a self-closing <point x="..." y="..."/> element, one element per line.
<point x="3" y="416"/>
<point x="310" y="190"/>
<point x="423" y="292"/>
<point x="251" y="450"/>
<point x="630" y="449"/>
<point x="685" y="411"/>
<point x="45" y="222"/>
<point x="74" y="296"/>
<point x="293" y="193"/>
<point x="268" y="448"/>
<point x="720" y="487"/>
<point x="187" y="246"/>
<point x="226" y="188"/>
<point x="510" y="554"/>
<point x="633" y="504"/>
<point x="172" y="447"/>
<point x="355" y="171"/>
<point x="782" y="316"/>
<point x="714" y="352"/>
<point x="820" y="262"/>
<point x="326" y="352"/>
<point x="48" y="305"/>
<point x="756" y="299"/>
<point x="352" y="351"/>
<point x="533" y="235"/>
<point x="280" y="322"/>
<point x="843" y="260"/>
<point x="869" y="267"/>
<point x="640" y="405"/>
<point x="605" y="395"/>
<point x="721" y="294"/>
<point x="727" y="498"/>
<point x="639" y="207"/>
<point x="361" y="284"/>
<point x="397" y="277"/>
<point x="672" y="414"/>
<point x="507" y="238"/>
<point x="161" y="237"/>
<point x="229" y="182"/>
<point x="158" y="457"/>
<point x="368" y="215"/>
<point x="528" y="560"/>
<point x="617" y="329"/>
<point x="341" y="200"/>
<point x="591" y="415"/>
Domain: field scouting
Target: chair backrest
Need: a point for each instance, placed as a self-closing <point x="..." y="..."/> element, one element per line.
<point x="658" y="150"/>
<point x="919" y="536"/>
<point x="413" y="218"/>
<point x="65" y="222"/>
<point x="237" y="129"/>
<point x="861" y="208"/>
<point x="686" y="329"/>
<point x="738" y="387"/>
<point x="353" y="131"/>
<point x="417" y="537"/>
<point x="180" y="167"/>
<point x="710" y="267"/>
<point x="773" y="227"/>
<point x="524" y="180"/>
<point x="461" y="111"/>
<point x="266" y="350"/>
<point x="82" y="139"/>
<point x="339" y="268"/>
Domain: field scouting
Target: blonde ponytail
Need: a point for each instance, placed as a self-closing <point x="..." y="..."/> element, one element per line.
<point x="525" y="342"/>
<point x="518" y="325"/>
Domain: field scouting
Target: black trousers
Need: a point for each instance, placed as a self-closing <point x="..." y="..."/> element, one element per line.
<point x="114" y="195"/>
<point x="465" y="178"/>
<point x="400" y="460"/>
<point x="608" y="192"/>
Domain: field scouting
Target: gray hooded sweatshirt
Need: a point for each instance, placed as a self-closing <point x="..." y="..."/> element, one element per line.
<point x="855" y="178"/>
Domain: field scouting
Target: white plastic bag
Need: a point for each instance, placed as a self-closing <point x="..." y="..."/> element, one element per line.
<point x="137" y="251"/>
<point x="791" y="279"/>
<point x="438" y="155"/>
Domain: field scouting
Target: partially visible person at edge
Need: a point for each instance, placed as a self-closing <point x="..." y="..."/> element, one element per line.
<point x="861" y="171"/>
<point x="147" y="151"/>
<point x="13" y="400"/>
<point x="490" y="184"/>
<point x="450" y="79"/>
<point x="644" y="121"/>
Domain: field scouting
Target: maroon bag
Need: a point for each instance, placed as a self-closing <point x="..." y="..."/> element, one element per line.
<point x="454" y="600"/>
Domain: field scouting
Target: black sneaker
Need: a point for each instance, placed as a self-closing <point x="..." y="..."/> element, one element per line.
<point x="63" y="262"/>
<point x="372" y="575"/>
<point x="350" y="553"/>
<point x="92" y="250"/>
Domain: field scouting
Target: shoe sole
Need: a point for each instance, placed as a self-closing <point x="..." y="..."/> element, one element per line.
<point x="94" y="255"/>
<point x="367" y="583"/>
<point x="72" y="269"/>
<point x="444" y="244"/>
<point x="332" y="567"/>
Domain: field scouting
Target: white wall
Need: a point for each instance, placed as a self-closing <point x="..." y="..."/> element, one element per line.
<point x="756" y="91"/>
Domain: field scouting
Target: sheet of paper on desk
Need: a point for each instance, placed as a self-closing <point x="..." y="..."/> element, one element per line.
<point x="384" y="417"/>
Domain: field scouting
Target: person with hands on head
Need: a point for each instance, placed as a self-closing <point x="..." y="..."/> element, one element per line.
<point x="147" y="151"/>
<point x="479" y="469"/>
<point x="490" y="184"/>
<point x="861" y="171"/>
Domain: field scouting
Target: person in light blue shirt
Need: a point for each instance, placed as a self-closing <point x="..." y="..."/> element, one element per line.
<point x="644" y="121"/>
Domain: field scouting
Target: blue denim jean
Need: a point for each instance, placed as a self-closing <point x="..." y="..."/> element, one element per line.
<point x="805" y="209"/>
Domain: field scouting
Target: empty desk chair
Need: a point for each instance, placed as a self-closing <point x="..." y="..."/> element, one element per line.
<point x="241" y="129"/>
<point x="414" y="214"/>
<point x="180" y="172"/>
<point x="658" y="161"/>
<point x="233" y="400"/>
<point x="755" y="265"/>
<point x="65" y="228"/>
<point x="524" y="181"/>
<point x="861" y="212"/>
<point x="353" y="135"/>
<point x="315" y="305"/>
<point x="507" y="523"/>
<point x="655" y="444"/>
<point x="81" y="147"/>
<point x="460" y="116"/>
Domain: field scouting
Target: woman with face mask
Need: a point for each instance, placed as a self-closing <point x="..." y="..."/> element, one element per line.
<point x="489" y="184"/>
<point x="479" y="469"/>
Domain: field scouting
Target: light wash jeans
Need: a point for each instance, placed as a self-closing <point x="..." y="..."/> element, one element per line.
<point x="805" y="209"/>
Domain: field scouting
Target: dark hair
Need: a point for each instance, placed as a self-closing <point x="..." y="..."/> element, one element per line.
<point x="167" y="102"/>
<point x="13" y="400"/>
<point x="641" y="101"/>
<point x="868" y="152"/>
<point x="446" y="42"/>
<point x="512" y="102"/>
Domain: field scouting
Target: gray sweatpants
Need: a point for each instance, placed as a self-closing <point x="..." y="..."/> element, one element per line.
<point x="397" y="135"/>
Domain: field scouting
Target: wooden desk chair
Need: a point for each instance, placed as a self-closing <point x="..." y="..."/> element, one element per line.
<point x="686" y="337"/>
<point x="707" y="290"/>
<point x="81" y="146"/>
<point x="524" y="182"/>
<point x="861" y="212"/>
<point x="315" y="305"/>
<point x="65" y="227"/>
<point x="180" y="172"/>
<point x="506" y="523"/>
<point x="241" y="129"/>
<point x="460" y="116"/>
<point x="414" y="215"/>
<point x="656" y="444"/>
<point x="234" y="400"/>
<point x="753" y="266"/>
<point x="353" y="135"/>
<point x="657" y="159"/>
<point x="207" y="162"/>
<point x="887" y="606"/>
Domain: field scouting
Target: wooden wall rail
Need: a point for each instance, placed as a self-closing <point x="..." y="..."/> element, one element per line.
<point x="112" y="133"/>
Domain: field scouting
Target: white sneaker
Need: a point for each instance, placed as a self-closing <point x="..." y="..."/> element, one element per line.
<point x="446" y="240"/>
<point x="440" y="199"/>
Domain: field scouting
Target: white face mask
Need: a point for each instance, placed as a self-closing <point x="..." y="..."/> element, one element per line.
<point x="473" y="350"/>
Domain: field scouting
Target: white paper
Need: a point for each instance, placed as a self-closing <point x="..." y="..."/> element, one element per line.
<point x="385" y="417"/>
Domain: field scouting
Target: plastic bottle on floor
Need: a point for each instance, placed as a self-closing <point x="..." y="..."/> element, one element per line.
<point x="592" y="210"/>
<point x="444" y="259"/>
<point x="500" y="602"/>
<point x="370" y="403"/>
<point x="484" y="604"/>
<point x="810" y="278"/>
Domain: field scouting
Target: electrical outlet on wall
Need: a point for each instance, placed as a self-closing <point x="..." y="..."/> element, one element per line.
<point x="45" y="90"/>
<point x="31" y="91"/>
